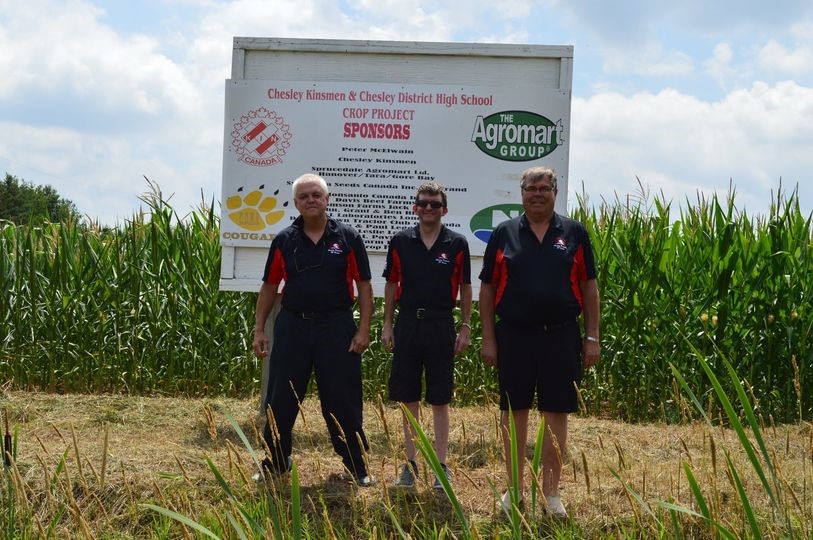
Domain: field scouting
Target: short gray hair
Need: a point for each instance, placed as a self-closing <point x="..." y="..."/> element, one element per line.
<point x="309" y="177"/>
<point x="535" y="174"/>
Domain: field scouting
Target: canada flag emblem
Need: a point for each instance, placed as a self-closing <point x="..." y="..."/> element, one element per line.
<point x="260" y="137"/>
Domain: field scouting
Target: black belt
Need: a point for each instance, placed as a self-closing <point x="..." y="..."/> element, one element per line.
<point x="425" y="313"/>
<point x="542" y="327"/>
<point x="312" y="315"/>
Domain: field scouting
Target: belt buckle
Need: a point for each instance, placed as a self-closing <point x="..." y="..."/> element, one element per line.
<point x="307" y="315"/>
<point x="420" y="313"/>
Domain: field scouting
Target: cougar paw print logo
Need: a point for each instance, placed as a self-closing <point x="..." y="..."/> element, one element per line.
<point x="260" y="137"/>
<point x="252" y="211"/>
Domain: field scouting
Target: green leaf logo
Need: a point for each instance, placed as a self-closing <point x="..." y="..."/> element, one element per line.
<point x="517" y="135"/>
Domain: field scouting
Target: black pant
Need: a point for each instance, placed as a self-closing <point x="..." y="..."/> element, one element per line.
<point x="319" y="344"/>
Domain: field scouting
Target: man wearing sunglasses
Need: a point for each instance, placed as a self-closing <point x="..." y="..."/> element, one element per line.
<point x="427" y="267"/>
<point x="538" y="276"/>
<point x="319" y="259"/>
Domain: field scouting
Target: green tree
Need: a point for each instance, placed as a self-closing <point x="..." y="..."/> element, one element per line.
<point x="22" y="202"/>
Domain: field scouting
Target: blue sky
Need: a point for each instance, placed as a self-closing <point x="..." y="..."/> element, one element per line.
<point x="686" y="97"/>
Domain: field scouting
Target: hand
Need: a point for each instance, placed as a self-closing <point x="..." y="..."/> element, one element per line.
<point x="260" y="344"/>
<point x="590" y="353"/>
<point x="488" y="352"/>
<point x="387" y="336"/>
<point x="360" y="341"/>
<point x="463" y="340"/>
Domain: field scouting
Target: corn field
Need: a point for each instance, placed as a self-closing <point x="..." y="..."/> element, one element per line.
<point x="137" y="308"/>
<point x="133" y="309"/>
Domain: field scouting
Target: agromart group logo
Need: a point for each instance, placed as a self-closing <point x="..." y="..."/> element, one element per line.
<point x="517" y="135"/>
<point x="484" y="221"/>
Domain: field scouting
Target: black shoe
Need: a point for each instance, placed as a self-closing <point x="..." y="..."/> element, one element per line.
<point x="362" y="480"/>
<point x="365" y="481"/>
<point x="271" y="471"/>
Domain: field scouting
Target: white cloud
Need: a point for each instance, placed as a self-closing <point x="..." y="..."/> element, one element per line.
<point x="736" y="15"/>
<point x="102" y="174"/>
<point x="71" y="51"/>
<point x="417" y="17"/>
<point x="634" y="22"/>
<point x="802" y="31"/>
<point x="776" y="57"/>
<point x="649" y="60"/>
<point x="719" y="66"/>
<point x="79" y="167"/>
<point x="137" y="111"/>
<point x="721" y="58"/>
<point x="680" y="144"/>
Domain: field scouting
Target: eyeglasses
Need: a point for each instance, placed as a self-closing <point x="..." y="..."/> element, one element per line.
<point x="538" y="189"/>
<point x="304" y="268"/>
<point x="423" y="203"/>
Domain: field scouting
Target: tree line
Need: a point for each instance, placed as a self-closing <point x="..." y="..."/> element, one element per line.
<point x="24" y="203"/>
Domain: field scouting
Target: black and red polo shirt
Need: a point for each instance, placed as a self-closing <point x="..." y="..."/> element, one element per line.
<point x="538" y="283"/>
<point x="318" y="277"/>
<point x="428" y="278"/>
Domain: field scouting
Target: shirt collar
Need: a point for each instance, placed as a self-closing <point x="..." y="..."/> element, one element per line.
<point x="443" y="235"/>
<point x="332" y="225"/>
<point x="555" y="222"/>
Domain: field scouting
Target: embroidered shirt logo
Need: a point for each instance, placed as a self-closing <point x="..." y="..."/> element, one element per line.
<point x="443" y="258"/>
<point x="560" y="244"/>
<point x="335" y="248"/>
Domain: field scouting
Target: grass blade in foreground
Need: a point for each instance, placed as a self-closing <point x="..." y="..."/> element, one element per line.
<point x="540" y="438"/>
<point x="746" y="504"/>
<point x="513" y="490"/>
<point x="256" y="527"/>
<point x="242" y="436"/>
<point x="635" y="495"/>
<point x="396" y="523"/>
<point x="738" y="427"/>
<point x="428" y="452"/>
<point x="236" y="526"/>
<point x="672" y="507"/>
<point x="180" y="518"/>
<point x="698" y="495"/>
<point x="688" y="390"/>
<point x="296" y="502"/>
<point x="678" y="532"/>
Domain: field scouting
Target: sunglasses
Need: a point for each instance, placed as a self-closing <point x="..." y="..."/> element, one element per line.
<point x="432" y="204"/>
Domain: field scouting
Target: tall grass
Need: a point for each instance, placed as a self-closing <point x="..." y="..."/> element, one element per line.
<point x="134" y="308"/>
<point x="137" y="308"/>
<point x="715" y="272"/>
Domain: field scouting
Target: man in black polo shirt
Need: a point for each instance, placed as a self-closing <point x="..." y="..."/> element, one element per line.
<point x="538" y="276"/>
<point x="426" y="267"/>
<point x="318" y="258"/>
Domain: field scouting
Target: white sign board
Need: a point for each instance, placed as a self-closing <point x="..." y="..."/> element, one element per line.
<point x="375" y="144"/>
<point x="376" y="119"/>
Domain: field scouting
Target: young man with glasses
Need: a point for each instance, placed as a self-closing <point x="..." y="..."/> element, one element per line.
<point x="538" y="276"/>
<point x="427" y="267"/>
<point x="319" y="259"/>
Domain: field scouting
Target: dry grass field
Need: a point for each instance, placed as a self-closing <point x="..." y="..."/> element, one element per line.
<point x="120" y="451"/>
